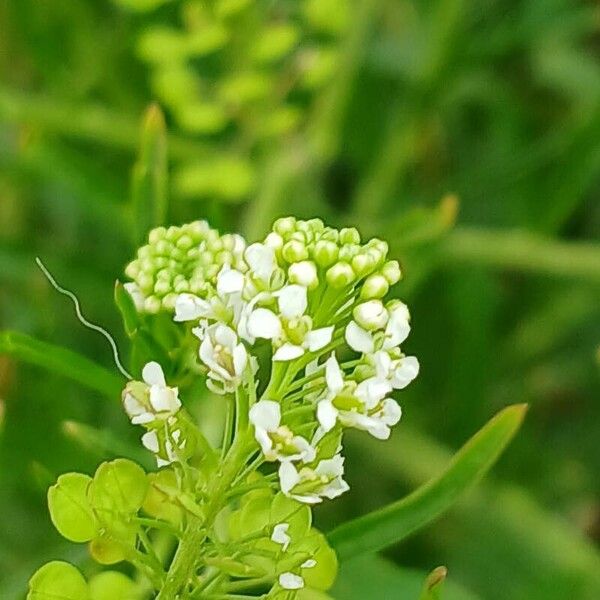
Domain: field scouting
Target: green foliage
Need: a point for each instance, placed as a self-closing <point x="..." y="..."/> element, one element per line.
<point x="57" y="579"/>
<point x="392" y="523"/>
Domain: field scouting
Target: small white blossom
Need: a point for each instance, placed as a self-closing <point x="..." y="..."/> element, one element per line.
<point x="224" y="355"/>
<point x="261" y="260"/>
<point x="155" y="401"/>
<point x="189" y="307"/>
<point x="324" y="481"/>
<point x="277" y="441"/>
<point x="371" y="315"/>
<point x="280" y="535"/>
<point x="289" y="581"/>
<point x="165" y="451"/>
<point x="400" y="372"/>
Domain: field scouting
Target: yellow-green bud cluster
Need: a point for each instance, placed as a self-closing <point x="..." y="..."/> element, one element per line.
<point x="309" y="252"/>
<point x="182" y="259"/>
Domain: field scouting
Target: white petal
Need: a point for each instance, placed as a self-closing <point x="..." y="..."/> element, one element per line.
<point x="229" y="281"/>
<point x="132" y="405"/>
<point x="358" y="339"/>
<point x="309" y="564"/>
<point x="189" y="308"/>
<point x="225" y="336"/>
<point x="405" y="372"/>
<point x="266" y="414"/>
<point x="288" y="352"/>
<point x="289" y="581"/>
<point x="153" y="374"/>
<point x="333" y="375"/>
<point x="383" y="363"/>
<point x="280" y="535"/>
<point x="264" y="323"/>
<point x="261" y="260"/>
<point x="150" y="441"/>
<point x="331" y="467"/>
<point x="145" y="417"/>
<point x="391" y="412"/>
<point x="136" y="295"/>
<point x="292" y="300"/>
<point x="318" y="338"/>
<point x="372" y="390"/>
<point x="240" y="359"/>
<point x="288" y="476"/>
<point x="306" y="453"/>
<point x="160" y="398"/>
<point x="326" y="414"/>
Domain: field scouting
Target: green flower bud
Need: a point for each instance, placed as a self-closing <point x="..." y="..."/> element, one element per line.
<point x="325" y="253"/>
<point x="172" y="233"/>
<point x="169" y="300"/>
<point x="391" y="271"/>
<point x="371" y="315"/>
<point x="340" y="275"/>
<point x="198" y="230"/>
<point x="304" y="273"/>
<point x="157" y="234"/>
<point x="145" y="252"/>
<point x="330" y="234"/>
<point x="274" y="240"/>
<point x="294" y="251"/>
<point x="145" y="281"/>
<point x="284" y="226"/>
<point x="348" y="251"/>
<point x="363" y="264"/>
<point x="316" y="225"/>
<point x="349" y="235"/>
<point x="163" y="247"/>
<point x="185" y="242"/>
<point x="152" y="304"/>
<point x="375" y="286"/>
<point x="132" y="270"/>
<point x="162" y="287"/>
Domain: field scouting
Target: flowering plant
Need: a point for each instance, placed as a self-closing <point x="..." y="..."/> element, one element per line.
<point x="295" y="339"/>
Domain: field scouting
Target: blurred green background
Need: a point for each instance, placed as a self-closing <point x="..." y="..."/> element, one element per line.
<point x="465" y="133"/>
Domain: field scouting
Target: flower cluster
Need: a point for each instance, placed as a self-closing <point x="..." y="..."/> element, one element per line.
<point x="312" y="293"/>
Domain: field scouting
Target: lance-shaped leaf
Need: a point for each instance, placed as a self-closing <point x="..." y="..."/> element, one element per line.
<point x="149" y="178"/>
<point x="394" y="522"/>
<point x="62" y="361"/>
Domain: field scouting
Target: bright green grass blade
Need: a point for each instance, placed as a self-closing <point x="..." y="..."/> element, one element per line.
<point x="432" y="588"/>
<point x="62" y="361"/>
<point x="394" y="522"/>
<point x="149" y="178"/>
<point x="377" y="578"/>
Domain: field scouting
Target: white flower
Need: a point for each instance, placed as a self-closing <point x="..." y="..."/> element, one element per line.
<point x="261" y="260"/>
<point x="224" y="355"/>
<point x="324" y="481"/>
<point x="162" y="444"/>
<point x="155" y="400"/>
<point x="396" y="331"/>
<point x="289" y="581"/>
<point x="189" y="307"/>
<point x="292" y="302"/>
<point x="363" y="407"/>
<point x="280" y="535"/>
<point x="277" y="441"/>
<point x="399" y="372"/>
<point x="229" y="281"/>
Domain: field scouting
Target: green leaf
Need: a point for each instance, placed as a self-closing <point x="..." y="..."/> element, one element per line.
<point x="69" y="507"/>
<point x="57" y="580"/>
<point x="149" y="178"/>
<point x="394" y="522"/>
<point x="62" y="361"/>
<point x="109" y="585"/>
<point x="432" y="588"/>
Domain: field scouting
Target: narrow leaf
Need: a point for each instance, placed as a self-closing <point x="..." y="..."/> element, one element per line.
<point x="394" y="522"/>
<point x="149" y="178"/>
<point x="62" y="361"/>
<point x="432" y="589"/>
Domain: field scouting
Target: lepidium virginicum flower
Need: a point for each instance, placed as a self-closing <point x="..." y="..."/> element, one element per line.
<point x="294" y="339"/>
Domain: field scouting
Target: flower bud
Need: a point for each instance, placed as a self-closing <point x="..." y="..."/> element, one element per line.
<point x="398" y="310"/>
<point x="363" y="264"/>
<point x="198" y="230"/>
<point x="185" y="242"/>
<point x="371" y="315"/>
<point x="304" y="273"/>
<point x="325" y="253"/>
<point x="294" y="251"/>
<point x="162" y="287"/>
<point x="349" y="235"/>
<point x="132" y="269"/>
<point x="284" y="225"/>
<point x="157" y="234"/>
<point x="391" y="271"/>
<point x="349" y="251"/>
<point x="152" y="304"/>
<point x="340" y="275"/>
<point x="274" y="240"/>
<point x="375" y="286"/>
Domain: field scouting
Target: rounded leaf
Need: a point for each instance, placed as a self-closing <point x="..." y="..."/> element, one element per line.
<point x="69" y="508"/>
<point x="323" y="574"/>
<point x="158" y="501"/>
<point x="119" y="486"/>
<point x="107" y="551"/>
<point x="110" y="585"/>
<point x="57" y="579"/>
